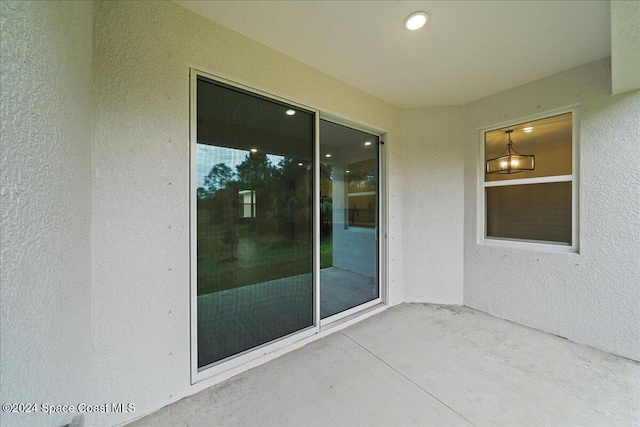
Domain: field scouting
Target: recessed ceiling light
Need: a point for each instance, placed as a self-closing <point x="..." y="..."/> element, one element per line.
<point x="327" y="155"/>
<point x="347" y="171"/>
<point x="528" y="129"/>
<point x="416" y="20"/>
<point x="290" y="112"/>
<point x="254" y="150"/>
<point x="367" y="143"/>
<point x="300" y="164"/>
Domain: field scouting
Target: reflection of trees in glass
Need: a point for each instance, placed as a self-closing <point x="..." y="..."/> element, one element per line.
<point x="225" y="211"/>
<point x="326" y="205"/>
<point x="255" y="171"/>
<point x="360" y="181"/>
<point x="362" y="176"/>
<point x="326" y="172"/>
<point x="273" y="241"/>
<point x="218" y="178"/>
<point x="202" y="193"/>
<point x="326" y="216"/>
<point x="290" y="212"/>
<point x="282" y="196"/>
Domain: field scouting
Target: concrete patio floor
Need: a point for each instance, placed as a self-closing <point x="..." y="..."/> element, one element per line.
<point x="426" y="365"/>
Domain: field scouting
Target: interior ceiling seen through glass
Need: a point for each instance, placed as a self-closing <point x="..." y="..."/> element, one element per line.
<point x="227" y="117"/>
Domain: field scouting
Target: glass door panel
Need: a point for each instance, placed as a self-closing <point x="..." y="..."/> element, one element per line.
<point x="254" y="220"/>
<point x="349" y="183"/>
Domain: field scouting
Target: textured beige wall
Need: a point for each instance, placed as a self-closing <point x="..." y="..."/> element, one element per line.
<point x="141" y="183"/>
<point x="433" y="204"/>
<point x="591" y="297"/>
<point x="45" y="116"/>
<point x="625" y="46"/>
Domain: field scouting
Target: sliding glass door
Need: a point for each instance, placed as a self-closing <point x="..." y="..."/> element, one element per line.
<point x="349" y="212"/>
<point x="254" y="179"/>
<point x="284" y="223"/>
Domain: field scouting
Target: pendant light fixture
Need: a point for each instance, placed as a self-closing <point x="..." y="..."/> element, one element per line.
<point x="510" y="161"/>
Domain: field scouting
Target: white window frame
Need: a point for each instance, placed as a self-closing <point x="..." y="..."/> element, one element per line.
<point x="483" y="239"/>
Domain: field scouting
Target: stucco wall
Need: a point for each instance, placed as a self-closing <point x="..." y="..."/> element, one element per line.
<point x="625" y="46"/>
<point x="141" y="183"/>
<point x="45" y="193"/>
<point x="433" y="204"/>
<point x="591" y="297"/>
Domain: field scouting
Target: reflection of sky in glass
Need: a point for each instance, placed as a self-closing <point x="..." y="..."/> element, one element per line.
<point x="209" y="155"/>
